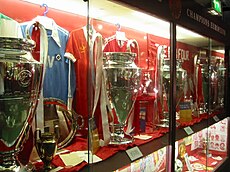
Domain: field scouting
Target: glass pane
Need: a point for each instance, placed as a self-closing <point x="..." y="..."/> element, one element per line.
<point x="200" y="88"/>
<point x="217" y="77"/>
<point x="216" y="143"/>
<point x="129" y="77"/>
<point x="204" y="150"/>
<point x="191" y="84"/>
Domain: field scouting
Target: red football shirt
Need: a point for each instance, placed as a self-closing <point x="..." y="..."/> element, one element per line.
<point x="114" y="45"/>
<point x="77" y="46"/>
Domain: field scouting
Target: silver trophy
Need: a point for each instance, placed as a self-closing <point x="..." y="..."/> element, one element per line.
<point x="164" y="86"/>
<point x="20" y="80"/>
<point x="221" y="72"/>
<point x="122" y="83"/>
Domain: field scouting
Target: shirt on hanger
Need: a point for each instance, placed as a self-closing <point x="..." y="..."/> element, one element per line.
<point x="59" y="79"/>
<point x="113" y="44"/>
<point x="77" y="48"/>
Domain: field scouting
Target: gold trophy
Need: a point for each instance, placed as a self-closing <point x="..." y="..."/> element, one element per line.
<point x="46" y="146"/>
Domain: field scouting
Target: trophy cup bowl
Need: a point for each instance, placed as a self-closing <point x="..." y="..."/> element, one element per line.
<point x="122" y="83"/>
<point x="46" y="146"/>
<point x="20" y="80"/>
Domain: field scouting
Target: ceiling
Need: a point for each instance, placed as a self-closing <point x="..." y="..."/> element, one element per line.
<point x="126" y="17"/>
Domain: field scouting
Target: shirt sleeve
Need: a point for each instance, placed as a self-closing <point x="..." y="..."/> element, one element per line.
<point x="72" y="52"/>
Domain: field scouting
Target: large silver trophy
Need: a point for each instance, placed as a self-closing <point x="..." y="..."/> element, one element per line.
<point x="20" y="80"/>
<point x="164" y="85"/>
<point x="122" y="83"/>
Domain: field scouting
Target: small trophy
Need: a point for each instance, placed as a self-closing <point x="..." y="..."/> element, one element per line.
<point x="46" y="146"/>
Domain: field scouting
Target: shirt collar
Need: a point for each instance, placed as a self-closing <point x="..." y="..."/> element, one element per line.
<point x="49" y="24"/>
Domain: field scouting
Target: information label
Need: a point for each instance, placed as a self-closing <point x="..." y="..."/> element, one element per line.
<point x="188" y="130"/>
<point x="134" y="153"/>
<point x="216" y="118"/>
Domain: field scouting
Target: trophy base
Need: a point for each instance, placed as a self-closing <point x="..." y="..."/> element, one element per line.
<point x="13" y="168"/>
<point x="17" y="168"/>
<point x="10" y="163"/>
<point x="201" y="111"/>
<point x="163" y="125"/>
<point x="116" y="139"/>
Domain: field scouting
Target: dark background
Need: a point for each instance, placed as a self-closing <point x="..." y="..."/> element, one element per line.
<point x="225" y="9"/>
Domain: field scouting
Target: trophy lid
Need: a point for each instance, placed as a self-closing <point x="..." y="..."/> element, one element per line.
<point x="120" y="56"/>
<point x="15" y="46"/>
<point x="17" y="43"/>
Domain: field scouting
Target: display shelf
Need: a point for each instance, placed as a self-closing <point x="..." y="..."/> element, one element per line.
<point x="121" y="159"/>
<point x="224" y="166"/>
<point x="199" y="126"/>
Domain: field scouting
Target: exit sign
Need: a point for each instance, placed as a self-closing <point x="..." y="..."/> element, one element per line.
<point x="216" y="5"/>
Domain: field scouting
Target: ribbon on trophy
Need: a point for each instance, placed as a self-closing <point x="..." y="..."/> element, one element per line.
<point x="133" y="119"/>
<point x="100" y="92"/>
<point x="160" y="104"/>
<point x="198" y="83"/>
<point x="133" y="44"/>
<point x="43" y="59"/>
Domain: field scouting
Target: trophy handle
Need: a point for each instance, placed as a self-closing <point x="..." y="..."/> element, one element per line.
<point x="37" y="133"/>
<point x="56" y="132"/>
<point x="81" y="120"/>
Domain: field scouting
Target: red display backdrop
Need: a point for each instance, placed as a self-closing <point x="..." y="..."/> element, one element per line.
<point x="23" y="11"/>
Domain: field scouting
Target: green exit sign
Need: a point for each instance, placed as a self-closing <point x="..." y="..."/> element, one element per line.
<point x="216" y="5"/>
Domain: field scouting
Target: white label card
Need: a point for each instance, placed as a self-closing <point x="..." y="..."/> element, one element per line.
<point x="134" y="153"/>
<point x="188" y="130"/>
<point x="188" y="163"/>
<point x="216" y="118"/>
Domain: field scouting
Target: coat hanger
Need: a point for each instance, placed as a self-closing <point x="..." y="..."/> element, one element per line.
<point x="119" y="34"/>
<point x="43" y="19"/>
<point x="46" y="8"/>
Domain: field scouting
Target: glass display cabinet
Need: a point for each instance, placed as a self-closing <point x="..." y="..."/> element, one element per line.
<point x="133" y="86"/>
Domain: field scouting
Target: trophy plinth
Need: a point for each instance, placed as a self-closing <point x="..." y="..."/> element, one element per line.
<point x="20" y="80"/>
<point x="122" y="84"/>
<point x="118" y="136"/>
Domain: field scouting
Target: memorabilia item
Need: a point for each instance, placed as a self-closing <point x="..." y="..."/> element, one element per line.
<point x="122" y="81"/>
<point x="20" y="81"/>
<point x="164" y="85"/>
<point x="198" y="166"/>
<point x="68" y="121"/>
<point x="182" y="150"/>
<point x="178" y="165"/>
<point x="46" y="146"/>
<point x="185" y="111"/>
<point x="221" y="72"/>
